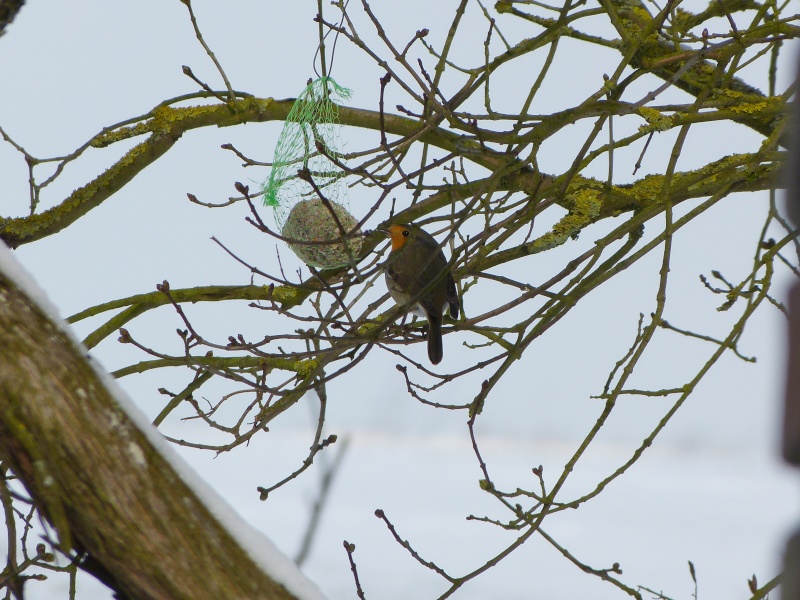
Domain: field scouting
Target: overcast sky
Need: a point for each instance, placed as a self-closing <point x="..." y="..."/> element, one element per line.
<point x="713" y="489"/>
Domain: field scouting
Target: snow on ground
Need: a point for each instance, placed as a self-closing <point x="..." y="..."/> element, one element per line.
<point x="726" y="511"/>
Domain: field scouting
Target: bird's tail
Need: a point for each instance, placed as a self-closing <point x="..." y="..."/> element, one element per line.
<point x="435" y="338"/>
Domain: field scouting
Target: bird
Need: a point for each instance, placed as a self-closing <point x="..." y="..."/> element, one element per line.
<point x="417" y="273"/>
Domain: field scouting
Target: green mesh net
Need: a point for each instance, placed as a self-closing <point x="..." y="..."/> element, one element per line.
<point x="299" y="212"/>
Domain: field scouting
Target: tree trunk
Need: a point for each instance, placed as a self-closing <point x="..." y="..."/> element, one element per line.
<point x="98" y="480"/>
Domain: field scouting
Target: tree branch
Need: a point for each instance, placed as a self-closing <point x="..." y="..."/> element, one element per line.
<point x="97" y="478"/>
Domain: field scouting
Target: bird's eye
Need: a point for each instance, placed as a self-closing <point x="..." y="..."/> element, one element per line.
<point x="406" y="233"/>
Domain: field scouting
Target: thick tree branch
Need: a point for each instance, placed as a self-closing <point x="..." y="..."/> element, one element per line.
<point x="165" y="125"/>
<point x="98" y="480"/>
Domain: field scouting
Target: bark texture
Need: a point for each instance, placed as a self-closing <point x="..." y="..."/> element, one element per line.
<point x="97" y="479"/>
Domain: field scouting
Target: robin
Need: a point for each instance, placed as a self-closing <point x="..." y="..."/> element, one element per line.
<point x="417" y="272"/>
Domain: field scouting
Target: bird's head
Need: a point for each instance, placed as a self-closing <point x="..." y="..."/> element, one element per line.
<point x="399" y="235"/>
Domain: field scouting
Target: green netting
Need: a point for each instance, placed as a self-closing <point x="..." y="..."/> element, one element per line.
<point x="300" y="214"/>
<point x="313" y="118"/>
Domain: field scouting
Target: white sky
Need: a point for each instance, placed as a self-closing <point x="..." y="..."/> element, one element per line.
<point x="711" y="490"/>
